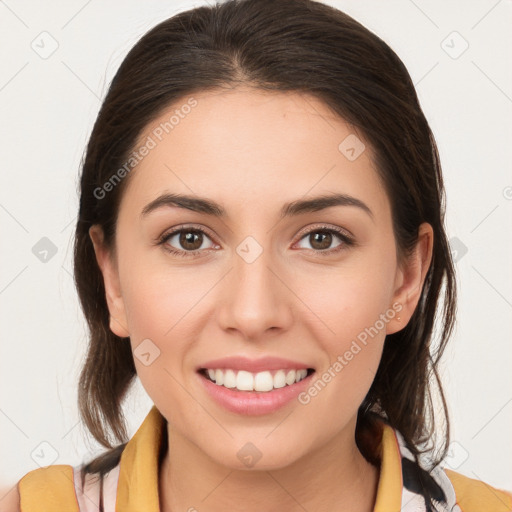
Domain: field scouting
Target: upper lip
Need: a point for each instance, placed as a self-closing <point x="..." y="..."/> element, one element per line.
<point x="253" y="365"/>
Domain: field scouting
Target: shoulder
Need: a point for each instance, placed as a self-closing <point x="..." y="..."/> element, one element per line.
<point x="51" y="487"/>
<point x="476" y="496"/>
<point x="59" y="488"/>
<point x="447" y="489"/>
<point x="38" y="489"/>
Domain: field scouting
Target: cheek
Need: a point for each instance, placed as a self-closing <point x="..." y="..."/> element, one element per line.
<point x="355" y="304"/>
<point x="159" y="304"/>
<point x="159" y="311"/>
<point x="157" y="297"/>
<point x="356" y="309"/>
<point x="350" y="300"/>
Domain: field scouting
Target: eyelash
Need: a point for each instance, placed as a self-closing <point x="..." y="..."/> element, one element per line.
<point x="347" y="241"/>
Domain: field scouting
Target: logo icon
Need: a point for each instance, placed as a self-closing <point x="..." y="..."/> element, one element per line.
<point x="249" y="249"/>
<point x="456" y="456"/>
<point x="44" y="250"/>
<point x="249" y="454"/>
<point x="45" y="45"/>
<point x="458" y="249"/>
<point x="454" y="45"/>
<point x="146" y="352"/>
<point x="351" y="147"/>
<point x="44" y="454"/>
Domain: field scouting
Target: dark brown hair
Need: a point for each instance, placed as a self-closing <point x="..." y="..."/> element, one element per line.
<point x="284" y="45"/>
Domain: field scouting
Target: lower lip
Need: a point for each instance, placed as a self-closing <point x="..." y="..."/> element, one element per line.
<point x="253" y="403"/>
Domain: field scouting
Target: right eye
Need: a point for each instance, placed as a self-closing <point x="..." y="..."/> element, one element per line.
<point x="191" y="241"/>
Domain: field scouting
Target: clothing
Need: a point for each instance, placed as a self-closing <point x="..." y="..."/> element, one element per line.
<point x="132" y="486"/>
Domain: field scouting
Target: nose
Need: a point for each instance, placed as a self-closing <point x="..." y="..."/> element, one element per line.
<point x="255" y="298"/>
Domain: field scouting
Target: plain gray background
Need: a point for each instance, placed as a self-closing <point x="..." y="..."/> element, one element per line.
<point x="57" y="60"/>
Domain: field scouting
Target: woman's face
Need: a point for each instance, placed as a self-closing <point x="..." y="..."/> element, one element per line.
<point x="266" y="279"/>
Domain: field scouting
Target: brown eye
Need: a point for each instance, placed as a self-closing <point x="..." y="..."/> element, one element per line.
<point x="185" y="241"/>
<point x="321" y="240"/>
<point x="189" y="240"/>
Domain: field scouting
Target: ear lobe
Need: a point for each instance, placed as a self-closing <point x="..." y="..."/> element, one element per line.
<point x="118" y="324"/>
<point x="411" y="277"/>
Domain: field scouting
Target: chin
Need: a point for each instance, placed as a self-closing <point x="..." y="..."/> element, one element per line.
<point x="253" y="456"/>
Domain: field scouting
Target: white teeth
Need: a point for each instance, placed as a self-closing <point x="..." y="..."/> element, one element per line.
<point x="290" y="377"/>
<point x="244" y="381"/>
<point x="229" y="379"/>
<point x="261" y="381"/>
<point x="279" y="379"/>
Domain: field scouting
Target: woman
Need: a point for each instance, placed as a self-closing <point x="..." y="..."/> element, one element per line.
<point x="260" y="240"/>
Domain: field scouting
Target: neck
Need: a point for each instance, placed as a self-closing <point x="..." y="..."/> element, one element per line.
<point x="334" y="477"/>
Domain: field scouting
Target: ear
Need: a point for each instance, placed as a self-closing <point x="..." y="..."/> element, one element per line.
<point x="410" y="278"/>
<point x="105" y="259"/>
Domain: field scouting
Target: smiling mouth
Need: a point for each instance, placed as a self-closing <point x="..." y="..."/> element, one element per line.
<point x="265" y="381"/>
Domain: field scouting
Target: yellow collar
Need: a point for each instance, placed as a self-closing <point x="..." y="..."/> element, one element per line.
<point x="138" y="475"/>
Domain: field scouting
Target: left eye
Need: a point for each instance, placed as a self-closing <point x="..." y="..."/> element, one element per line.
<point x="321" y="239"/>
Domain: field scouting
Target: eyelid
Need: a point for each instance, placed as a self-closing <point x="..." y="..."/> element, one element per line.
<point x="322" y="226"/>
<point x="303" y="232"/>
<point x="183" y="227"/>
<point x="346" y="237"/>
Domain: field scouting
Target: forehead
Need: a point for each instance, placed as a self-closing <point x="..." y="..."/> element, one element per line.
<point x="246" y="145"/>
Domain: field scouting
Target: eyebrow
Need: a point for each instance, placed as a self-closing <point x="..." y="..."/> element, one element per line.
<point x="209" y="207"/>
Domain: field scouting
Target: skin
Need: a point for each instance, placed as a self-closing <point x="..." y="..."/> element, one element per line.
<point x="252" y="151"/>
